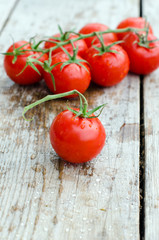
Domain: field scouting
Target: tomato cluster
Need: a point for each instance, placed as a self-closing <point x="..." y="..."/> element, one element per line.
<point x="69" y="61"/>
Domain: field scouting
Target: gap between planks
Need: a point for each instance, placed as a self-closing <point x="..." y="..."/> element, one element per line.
<point x="142" y="162"/>
<point x="9" y="15"/>
<point x="142" y="152"/>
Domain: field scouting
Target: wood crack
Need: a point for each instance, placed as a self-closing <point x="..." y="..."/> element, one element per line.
<point x="142" y="153"/>
<point x="9" y="15"/>
<point x="142" y="162"/>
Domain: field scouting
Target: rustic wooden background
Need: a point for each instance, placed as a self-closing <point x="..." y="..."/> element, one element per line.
<point x="44" y="198"/>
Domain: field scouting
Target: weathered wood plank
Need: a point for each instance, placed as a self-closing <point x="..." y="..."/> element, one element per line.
<point x="41" y="197"/>
<point x="6" y="7"/>
<point x="151" y="99"/>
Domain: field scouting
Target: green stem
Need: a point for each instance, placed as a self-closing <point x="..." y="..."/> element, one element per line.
<point x="84" y="109"/>
<point x="56" y="96"/>
<point x="83" y="36"/>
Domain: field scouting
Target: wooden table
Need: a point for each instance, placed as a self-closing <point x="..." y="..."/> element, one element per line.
<point x="115" y="196"/>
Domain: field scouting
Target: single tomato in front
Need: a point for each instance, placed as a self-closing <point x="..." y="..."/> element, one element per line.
<point x="76" y="139"/>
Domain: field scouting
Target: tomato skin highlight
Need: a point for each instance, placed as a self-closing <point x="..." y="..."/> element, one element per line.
<point x="70" y="77"/>
<point x="29" y="76"/>
<point x="142" y="60"/>
<point x="110" y="68"/>
<point x="135" y="22"/>
<point x="82" y="46"/>
<point x="76" y="139"/>
<point x="94" y="27"/>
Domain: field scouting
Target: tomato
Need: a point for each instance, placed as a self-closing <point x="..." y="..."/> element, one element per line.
<point x="109" y="68"/>
<point x="94" y="27"/>
<point x="76" y="139"/>
<point x="70" y="77"/>
<point x="29" y="75"/>
<point x="82" y="47"/>
<point x="142" y="60"/>
<point x="135" y="22"/>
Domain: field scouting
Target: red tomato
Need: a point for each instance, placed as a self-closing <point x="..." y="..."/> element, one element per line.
<point x="82" y="47"/>
<point x="109" y="68"/>
<point x="76" y="139"/>
<point x="135" y="22"/>
<point x="95" y="27"/>
<point x="142" y="60"/>
<point x="29" y="76"/>
<point x="70" y="77"/>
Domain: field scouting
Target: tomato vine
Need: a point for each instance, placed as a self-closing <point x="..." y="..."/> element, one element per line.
<point x="82" y="110"/>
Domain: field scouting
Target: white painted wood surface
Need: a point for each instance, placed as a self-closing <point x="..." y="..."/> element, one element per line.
<point x="6" y="9"/>
<point x="41" y="197"/>
<point x="151" y="98"/>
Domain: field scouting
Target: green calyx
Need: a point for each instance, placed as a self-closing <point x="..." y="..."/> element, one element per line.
<point x="144" y="42"/>
<point x="83" y="113"/>
<point x="103" y="49"/>
<point x="31" y="62"/>
<point x="143" y="37"/>
<point x="16" y="52"/>
<point x="87" y="114"/>
<point x="48" y="68"/>
<point x="73" y="58"/>
<point x="63" y="35"/>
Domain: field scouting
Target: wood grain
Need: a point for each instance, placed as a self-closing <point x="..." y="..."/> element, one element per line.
<point x="42" y="197"/>
<point x="6" y="9"/>
<point x="151" y="99"/>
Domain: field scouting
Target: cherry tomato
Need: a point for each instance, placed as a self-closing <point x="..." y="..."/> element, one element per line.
<point x="82" y="47"/>
<point x="135" y="22"/>
<point x="29" y="75"/>
<point x="70" y="77"/>
<point x="94" y="27"/>
<point x="109" y="68"/>
<point x="76" y="139"/>
<point x="142" y="60"/>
